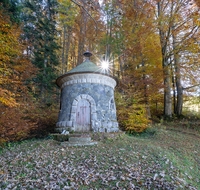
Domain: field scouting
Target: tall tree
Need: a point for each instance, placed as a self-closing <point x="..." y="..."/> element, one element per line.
<point x="13" y="9"/>
<point x="40" y="28"/>
<point x="142" y="67"/>
<point x="178" y="26"/>
<point x="15" y="66"/>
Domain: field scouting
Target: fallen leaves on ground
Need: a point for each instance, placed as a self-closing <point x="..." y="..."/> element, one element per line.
<point x="44" y="164"/>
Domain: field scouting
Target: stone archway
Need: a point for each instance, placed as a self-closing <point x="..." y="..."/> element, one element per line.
<point x="85" y="105"/>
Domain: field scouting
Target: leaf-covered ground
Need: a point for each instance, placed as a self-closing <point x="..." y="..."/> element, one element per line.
<point x="166" y="160"/>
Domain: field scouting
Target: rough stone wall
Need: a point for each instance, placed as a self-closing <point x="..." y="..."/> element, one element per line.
<point x="102" y="95"/>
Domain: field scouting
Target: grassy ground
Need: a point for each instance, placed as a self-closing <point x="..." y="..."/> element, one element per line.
<point x="167" y="159"/>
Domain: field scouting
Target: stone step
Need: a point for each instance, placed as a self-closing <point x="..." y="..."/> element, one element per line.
<point x="80" y="135"/>
<point x="79" y="139"/>
<point x="79" y="143"/>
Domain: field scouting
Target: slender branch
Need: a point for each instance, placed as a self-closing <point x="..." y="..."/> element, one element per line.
<point x="87" y="13"/>
<point x="191" y="87"/>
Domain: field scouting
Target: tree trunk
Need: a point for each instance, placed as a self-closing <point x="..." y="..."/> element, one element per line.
<point x="63" y="53"/>
<point x="179" y="87"/>
<point x="80" y="40"/>
<point x="145" y="90"/>
<point x="83" y="36"/>
<point x="109" y="46"/>
<point x="67" y="48"/>
<point x="174" y="92"/>
<point x="120" y="63"/>
<point x="179" y="95"/>
<point x="113" y="66"/>
<point x="164" y="37"/>
<point x="174" y="89"/>
<point x="167" y="93"/>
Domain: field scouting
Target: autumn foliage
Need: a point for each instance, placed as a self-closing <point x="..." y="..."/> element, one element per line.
<point x="25" y="122"/>
<point x="16" y="68"/>
<point x="19" y="117"/>
<point x="132" y="114"/>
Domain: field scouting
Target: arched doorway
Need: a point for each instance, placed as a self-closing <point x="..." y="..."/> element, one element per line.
<point x="83" y="113"/>
<point x="83" y="116"/>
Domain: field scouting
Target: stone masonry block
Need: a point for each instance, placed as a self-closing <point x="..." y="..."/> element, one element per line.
<point x="103" y="81"/>
<point x="88" y="80"/>
<point x="92" y="102"/>
<point x="95" y="129"/>
<point x="58" y="124"/>
<point x="75" y="102"/>
<point x="83" y="96"/>
<point x="69" y="123"/>
<point x="89" y="98"/>
<point x="63" y="123"/>
<point x="110" y="123"/>
<point x="107" y="83"/>
<point x="98" y="81"/>
<point x="78" y="98"/>
<point x="93" y="80"/>
<point x="101" y="130"/>
<point x="94" y="116"/>
<point x="92" y="123"/>
<point x="79" y="80"/>
<point x="93" y="109"/>
<point x="73" y="117"/>
<point x="115" y="124"/>
<point x="83" y="80"/>
<point x="73" y="109"/>
<point x="108" y="130"/>
<point x="97" y="123"/>
<point x="104" y="124"/>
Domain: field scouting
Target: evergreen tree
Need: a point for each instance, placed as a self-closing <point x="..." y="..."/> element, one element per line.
<point x="12" y="8"/>
<point x="40" y="28"/>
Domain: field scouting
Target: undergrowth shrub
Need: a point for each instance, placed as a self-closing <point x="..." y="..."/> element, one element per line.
<point x="25" y="122"/>
<point x="157" y="107"/>
<point x="13" y="125"/>
<point x="132" y="116"/>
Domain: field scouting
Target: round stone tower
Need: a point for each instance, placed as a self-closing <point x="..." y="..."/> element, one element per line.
<point x="87" y="100"/>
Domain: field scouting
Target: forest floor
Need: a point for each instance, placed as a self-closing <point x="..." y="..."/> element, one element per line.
<point x="167" y="157"/>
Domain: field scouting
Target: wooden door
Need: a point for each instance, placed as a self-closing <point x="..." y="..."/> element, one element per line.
<point x="83" y="113"/>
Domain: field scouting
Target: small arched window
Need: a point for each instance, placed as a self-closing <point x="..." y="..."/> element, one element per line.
<point x="112" y="104"/>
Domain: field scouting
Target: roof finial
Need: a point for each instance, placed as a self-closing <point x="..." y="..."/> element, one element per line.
<point x="87" y="54"/>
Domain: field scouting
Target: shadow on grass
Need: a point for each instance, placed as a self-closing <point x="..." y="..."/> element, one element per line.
<point x="148" y="133"/>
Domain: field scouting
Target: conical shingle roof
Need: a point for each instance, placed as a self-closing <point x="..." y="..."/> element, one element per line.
<point x="87" y="66"/>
